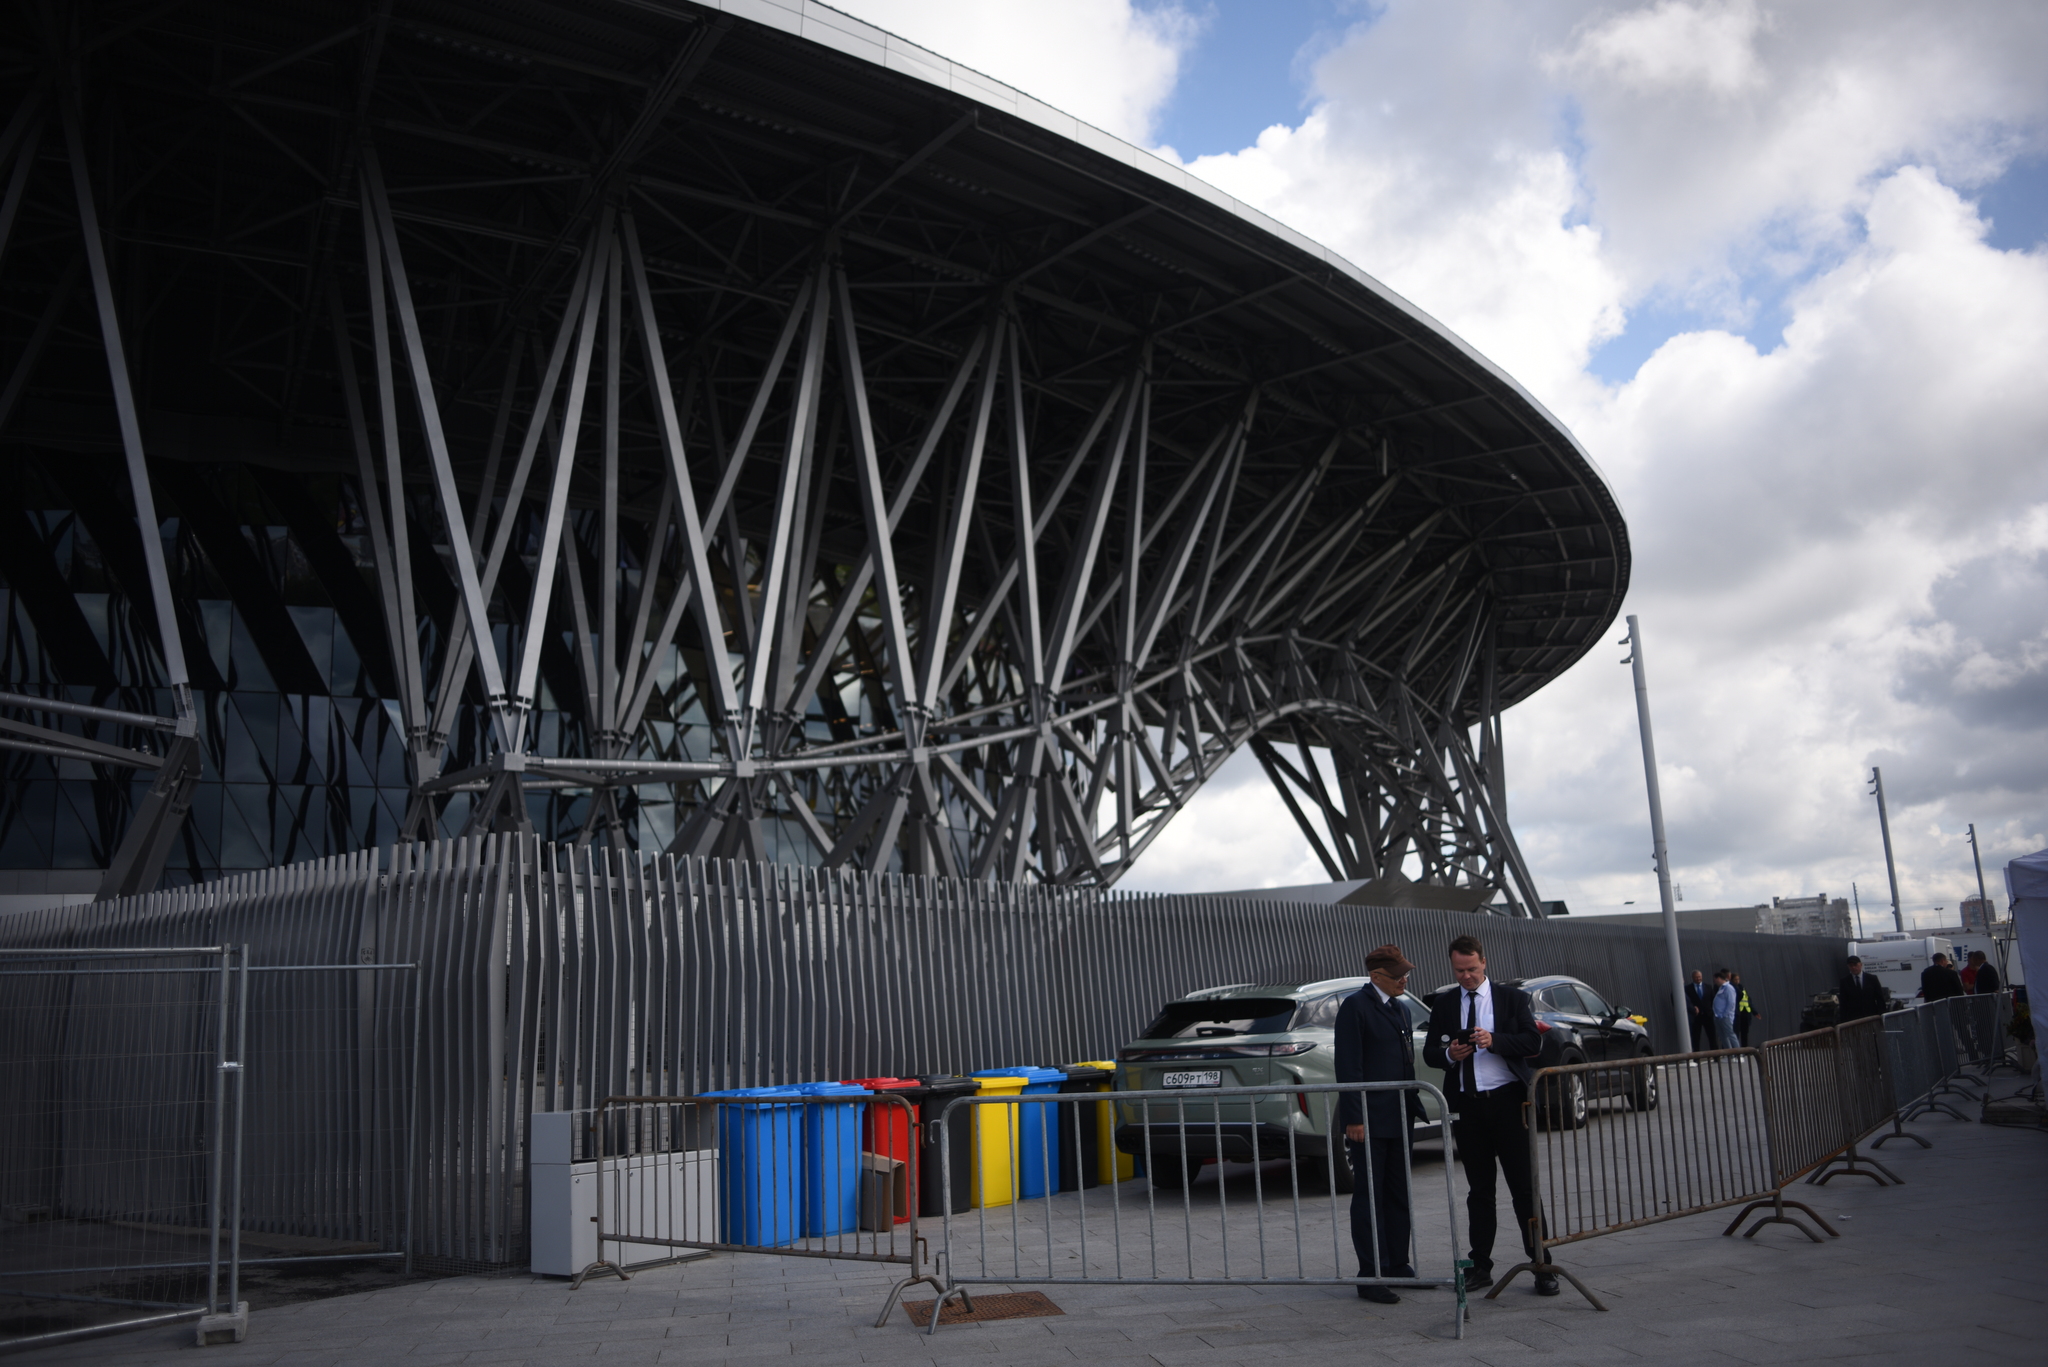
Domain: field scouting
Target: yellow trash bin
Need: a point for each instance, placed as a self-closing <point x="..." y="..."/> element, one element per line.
<point x="1112" y="1167"/>
<point x="995" y="1144"/>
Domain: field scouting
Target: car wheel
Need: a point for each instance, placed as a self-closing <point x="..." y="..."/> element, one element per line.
<point x="1166" y="1170"/>
<point x="1564" y="1099"/>
<point x="1642" y="1092"/>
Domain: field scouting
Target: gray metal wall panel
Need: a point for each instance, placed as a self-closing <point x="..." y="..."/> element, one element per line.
<point x="552" y="977"/>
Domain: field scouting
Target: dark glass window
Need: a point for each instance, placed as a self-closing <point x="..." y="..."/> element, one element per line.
<point x="1220" y="1017"/>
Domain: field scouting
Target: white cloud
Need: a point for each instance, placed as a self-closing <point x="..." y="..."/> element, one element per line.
<point x="1840" y="535"/>
<point x="1105" y="61"/>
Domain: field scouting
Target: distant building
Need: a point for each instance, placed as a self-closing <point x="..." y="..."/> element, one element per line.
<point x="1978" y="912"/>
<point x="1807" y="916"/>
<point x="1781" y="916"/>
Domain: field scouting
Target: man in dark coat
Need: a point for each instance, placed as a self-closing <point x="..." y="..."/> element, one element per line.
<point x="1483" y="1036"/>
<point x="1860" y="994"/>
<point x="1375" y="1043"/>
<point x="1939" y="980"/>
<point x="1986" y="981"/>
<point x="1699" y="1009"/>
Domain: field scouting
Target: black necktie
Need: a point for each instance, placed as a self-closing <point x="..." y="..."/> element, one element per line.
<point x="1468" y="1078"/>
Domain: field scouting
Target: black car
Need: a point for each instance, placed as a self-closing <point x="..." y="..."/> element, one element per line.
<point x="1581" y="1026"/>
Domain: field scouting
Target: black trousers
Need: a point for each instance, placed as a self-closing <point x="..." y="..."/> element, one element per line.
<point x="1380" y="1199"/>
<point x="1698" y="1022"/>
<point x="1490" y="1134"/>
<point x="1742" y="1029"/>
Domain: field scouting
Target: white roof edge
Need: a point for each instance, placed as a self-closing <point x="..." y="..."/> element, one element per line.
<point x="857" y="38"/>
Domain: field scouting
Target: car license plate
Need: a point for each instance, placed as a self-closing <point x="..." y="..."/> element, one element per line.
<point x="1210" y="1078"/>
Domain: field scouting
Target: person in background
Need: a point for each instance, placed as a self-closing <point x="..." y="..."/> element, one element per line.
<point x="1745" y="1011"/>
<point x="1860" y="993"/>
<point x="1939" y="980"/>
<point x="1699" y="1007"/>
<point x="1724" y="1010"/>
<point x="1981" y="976"/>
<point x="1968" y="972"/>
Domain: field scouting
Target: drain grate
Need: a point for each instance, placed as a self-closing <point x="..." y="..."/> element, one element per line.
<point x="1008" y="1305"/>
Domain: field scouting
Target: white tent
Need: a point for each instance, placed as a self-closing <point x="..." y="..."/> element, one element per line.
<point x="2026" y="887"/>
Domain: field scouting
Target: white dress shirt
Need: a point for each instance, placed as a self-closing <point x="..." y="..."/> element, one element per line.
<point x="1488" y="1071"/>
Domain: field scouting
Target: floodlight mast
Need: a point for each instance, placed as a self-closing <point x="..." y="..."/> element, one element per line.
<point x="1661" y="852"/>
<point x="1884" y="826"/>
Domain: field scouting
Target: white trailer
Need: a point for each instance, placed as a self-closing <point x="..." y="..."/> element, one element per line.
<point x="1897" y="960"/>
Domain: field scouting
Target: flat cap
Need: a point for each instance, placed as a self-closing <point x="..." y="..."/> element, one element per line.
<point x="1389" y="958"/>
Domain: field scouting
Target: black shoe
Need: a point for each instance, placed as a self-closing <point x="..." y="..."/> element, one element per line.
<point x="1546" y="1283"/>
<point x="1379" y="1295"/>
<point x="1478" y="1278"/>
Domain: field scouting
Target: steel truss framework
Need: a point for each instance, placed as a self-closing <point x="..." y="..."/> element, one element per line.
<point x="830" y="467"/>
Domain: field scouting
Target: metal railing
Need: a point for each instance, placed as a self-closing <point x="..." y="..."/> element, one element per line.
<point x="1620" y="1144"/>
<point x="782" y="1172"/>
<point x="1931" y="1046"/>
<point x="1037" y="1221"/>
<point x="120" y="1139"/>
<point x="790" y="1174"/>
<point x="559" y="976"/>
<point x="168" y="1126"/>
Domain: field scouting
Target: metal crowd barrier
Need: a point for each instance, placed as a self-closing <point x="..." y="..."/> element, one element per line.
<point x="158" y="1135"/>
<point x="1931" y="1047"/>
<point x="778" y="1170"/>
<point x="1619" y="1145"/>
<point x="1263" y="1225"/>
<point x="784" y="1172"/>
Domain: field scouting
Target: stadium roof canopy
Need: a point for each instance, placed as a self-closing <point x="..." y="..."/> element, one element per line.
<point x="849" y="459"/>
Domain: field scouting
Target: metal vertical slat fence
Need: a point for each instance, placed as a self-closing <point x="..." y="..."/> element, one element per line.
<point x="551" y="977"/>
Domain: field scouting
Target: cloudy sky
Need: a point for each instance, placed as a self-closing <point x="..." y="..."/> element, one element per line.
<point x="1783" y="268"/>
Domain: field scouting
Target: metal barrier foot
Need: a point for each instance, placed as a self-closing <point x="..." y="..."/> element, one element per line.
<point x="1777" y="1205"/>
<point x="939" y="1306"/>
<point x="1464" y="1265"/>
<point x="1553" y="1269"/>
<point x="1853" y="1165"/>
<point x="896" y="1294"/>
<point x="601" y="1265"/>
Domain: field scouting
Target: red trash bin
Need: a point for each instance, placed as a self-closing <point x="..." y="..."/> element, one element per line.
<point x="891" y="1131"/>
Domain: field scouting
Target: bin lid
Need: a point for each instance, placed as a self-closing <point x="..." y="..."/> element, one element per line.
<point x="829" y="1089"/>
<point x="757" y="1092"/>
<point x="948" y="1084"/>
<point x="1000" y="1082"/>
<point x="1027" y="1072"/>
<point x="883" y="1084"/>
<point x="1099" y="1064"/>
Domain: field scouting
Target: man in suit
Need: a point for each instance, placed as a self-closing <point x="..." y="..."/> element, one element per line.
<point x="1939" y="981"/>
<point x="1699" y="1008"/>
<point x="1483" y="1036"/>
<point x="1860" y="994"/>
<point x="1375" y="1043"/>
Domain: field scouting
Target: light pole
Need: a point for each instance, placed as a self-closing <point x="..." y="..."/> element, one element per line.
<point x="1660" y="852"/>
<point x="1891" y="870"/>
<point x="1977" y="858"/>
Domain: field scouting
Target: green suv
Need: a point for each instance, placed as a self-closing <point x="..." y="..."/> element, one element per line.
<point x="1246" y="1035"/>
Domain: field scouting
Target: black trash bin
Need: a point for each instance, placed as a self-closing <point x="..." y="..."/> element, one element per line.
<point x="934" y="1097"/>
<point x="1081" y="1125"/>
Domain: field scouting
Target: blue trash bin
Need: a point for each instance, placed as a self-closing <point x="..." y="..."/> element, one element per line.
<point x="760" y="1185"/>
<point x="1038" y="1150"/>
<point x="831" y="1162"/>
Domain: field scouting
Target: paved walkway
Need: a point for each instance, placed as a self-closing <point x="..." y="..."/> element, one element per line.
<point x="1946" y="1270"/>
